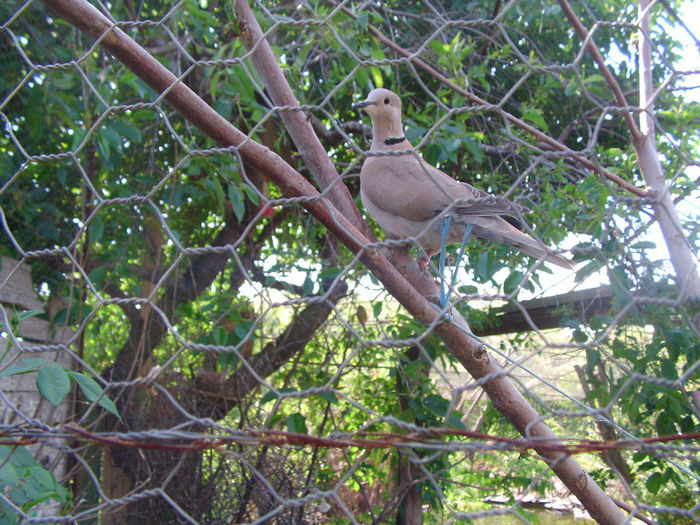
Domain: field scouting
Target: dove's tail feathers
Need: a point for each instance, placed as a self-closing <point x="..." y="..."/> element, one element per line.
<point x="501" y="231"/>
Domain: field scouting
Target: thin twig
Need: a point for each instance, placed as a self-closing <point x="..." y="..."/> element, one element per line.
<point x="604" y="70"/>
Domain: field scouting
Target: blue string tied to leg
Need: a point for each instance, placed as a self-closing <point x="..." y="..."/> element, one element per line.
<point x="445" y="223"/>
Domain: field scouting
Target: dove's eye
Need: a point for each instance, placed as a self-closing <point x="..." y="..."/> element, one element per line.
<point x="386" y="100"/>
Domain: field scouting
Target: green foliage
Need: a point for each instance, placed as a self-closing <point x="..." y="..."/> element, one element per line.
<point x="120" y="220"/>
<point x="26" y="484"/>
<point x="53" y="382"/>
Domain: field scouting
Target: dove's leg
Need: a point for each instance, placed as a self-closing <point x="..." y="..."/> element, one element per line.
<point x="445" y="225"/>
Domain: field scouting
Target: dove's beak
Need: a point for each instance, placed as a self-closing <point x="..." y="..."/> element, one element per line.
<point x="364" y="104"/>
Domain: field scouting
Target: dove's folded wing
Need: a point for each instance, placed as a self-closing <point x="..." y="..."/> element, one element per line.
<point x="408" y="187"/>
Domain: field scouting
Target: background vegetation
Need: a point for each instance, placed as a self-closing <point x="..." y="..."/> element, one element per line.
<point x="207" y="304"/>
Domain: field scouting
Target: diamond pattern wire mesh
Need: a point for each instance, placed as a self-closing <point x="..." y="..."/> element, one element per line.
<point x="260" y="372"/>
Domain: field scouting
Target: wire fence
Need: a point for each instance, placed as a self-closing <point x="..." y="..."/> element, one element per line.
<point x="200" y="326"/>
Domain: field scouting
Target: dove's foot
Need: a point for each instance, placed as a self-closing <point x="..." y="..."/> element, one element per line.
<point x="424" y="260"/>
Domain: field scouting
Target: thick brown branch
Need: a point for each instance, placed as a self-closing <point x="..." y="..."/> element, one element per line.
<point x="298" y="126"/>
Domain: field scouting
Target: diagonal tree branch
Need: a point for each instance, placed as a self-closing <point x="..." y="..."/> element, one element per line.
<point x="472" y="354"/>
<point x="604" y="70"/>
<point x="296" y="122"/>
<point x="223" y="394"/>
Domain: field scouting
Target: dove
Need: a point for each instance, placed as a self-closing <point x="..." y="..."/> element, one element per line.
<point x="410" y="199"/>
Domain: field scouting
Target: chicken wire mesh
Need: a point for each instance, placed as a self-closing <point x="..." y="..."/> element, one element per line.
<point x="194" y="336"/>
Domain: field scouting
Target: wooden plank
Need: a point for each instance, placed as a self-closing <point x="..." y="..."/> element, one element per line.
<point x="17" y="290"/>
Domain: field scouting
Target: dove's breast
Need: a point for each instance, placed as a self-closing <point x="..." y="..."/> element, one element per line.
<point x="427" y="233"/>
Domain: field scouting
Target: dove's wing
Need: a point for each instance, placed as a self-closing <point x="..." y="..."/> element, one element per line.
<point x="406" y="186"/>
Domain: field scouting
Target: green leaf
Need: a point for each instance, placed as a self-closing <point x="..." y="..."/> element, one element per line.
<point x="484" y="266"/>
<point x="438" y="405"/>
<point x="534" y="116"/>
<point x="376" y="76"/>
<point x="269" y="396"/>
<point x="644" y="245"/>
<point x="474" y="148"/>
<point x="8" y="475"/>
<point x="669" y="370"/>
<point x="42" y="476"/>
<point x="242" y="328"/>
<point x="96" y="229"/>
<point x="237" y="201"/>
<point x="330" y="397"/>
<point x="665" y="425"/>
<point x="592" y="359"/>
<point x="26" y="315"/>
<point x="512" y="282"/>
<point x="455" y="421"/>
<point x="297" y="423"/>
<point x="580" y="336"/>
<point x="27" y="366"/>
<point x="92" y="391"/>
<point x="654" y="482"/>
<point x="361" y="22"/>
<point x="599" y="321"/>
<point x="308" y="286"/>
<point x="595" y="79"/>
<point x="128" y="130"/>
<point x="571" y="88"/>
<point x="53" y="383"/>
<point x="17" y="456"/>
<point x="78" y="136"/>
<point x="227" y="359"/>
<point x="97" y="275"/>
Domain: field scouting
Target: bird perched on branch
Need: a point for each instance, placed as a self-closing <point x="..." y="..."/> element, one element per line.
<point x="411" y="199"/>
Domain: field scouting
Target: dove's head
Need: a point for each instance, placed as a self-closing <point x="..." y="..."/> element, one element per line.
<point x="384" y="107"/>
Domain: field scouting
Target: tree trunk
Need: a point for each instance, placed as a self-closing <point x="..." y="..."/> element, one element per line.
<point x="684" y="261"/>
<point x="409" y="506"/>
<point x="410" y="511"/>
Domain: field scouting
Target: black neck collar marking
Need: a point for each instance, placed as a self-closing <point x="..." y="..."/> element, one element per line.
<point x="394" y="140"/>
